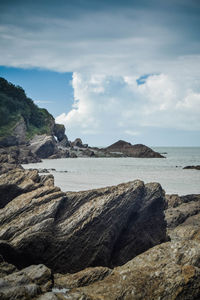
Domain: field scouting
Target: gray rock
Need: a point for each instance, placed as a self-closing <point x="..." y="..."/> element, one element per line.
<point x="77" y="143"/>
<point x="167" y="271"/>
<point x="43" y="146"/>
<point x="103" y="227"/>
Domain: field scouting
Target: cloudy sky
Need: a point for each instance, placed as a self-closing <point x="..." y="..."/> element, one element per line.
<point x="108" y="70"/>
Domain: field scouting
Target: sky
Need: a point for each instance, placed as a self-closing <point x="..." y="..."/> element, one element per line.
<point x="108" y="70"/>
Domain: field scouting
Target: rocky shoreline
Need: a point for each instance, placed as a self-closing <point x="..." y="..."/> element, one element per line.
<point x="129" y="241"/>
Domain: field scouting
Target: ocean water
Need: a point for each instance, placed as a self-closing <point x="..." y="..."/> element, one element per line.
<point x="88" y="173"/>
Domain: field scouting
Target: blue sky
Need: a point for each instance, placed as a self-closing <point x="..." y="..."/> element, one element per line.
<point x="83" y="60"/>
<point x="48" y="89"/>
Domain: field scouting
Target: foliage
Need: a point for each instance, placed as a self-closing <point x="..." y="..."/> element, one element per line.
<point x="14" y="104"/>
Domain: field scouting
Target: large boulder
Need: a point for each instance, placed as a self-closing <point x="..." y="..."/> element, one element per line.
<point x="72" y="231"/>
<point x="43" y="145"/>
<point x="130" y="150"/>
<point x="167" y="271"/>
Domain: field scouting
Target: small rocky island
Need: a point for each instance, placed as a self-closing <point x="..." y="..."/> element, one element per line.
<point x="130" y="241"/>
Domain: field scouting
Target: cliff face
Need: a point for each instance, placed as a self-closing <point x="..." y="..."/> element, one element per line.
<point x="21" y="119"/>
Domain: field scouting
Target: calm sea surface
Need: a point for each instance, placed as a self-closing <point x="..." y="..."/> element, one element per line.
<point x="88" y="173"/>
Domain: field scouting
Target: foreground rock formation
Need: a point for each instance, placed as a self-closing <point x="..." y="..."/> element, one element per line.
<point x="45" y="235"/>
<point x="103" y="227"/>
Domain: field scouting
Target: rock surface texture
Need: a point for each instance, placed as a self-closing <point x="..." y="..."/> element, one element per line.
<point x="167" y="271"/>
<point x="103" y="227"/>
<point x="56" y="245"/>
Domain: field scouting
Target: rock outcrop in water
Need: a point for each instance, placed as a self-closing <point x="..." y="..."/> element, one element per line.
<point x="130" y="150"/>
<point x="192" y="167"/>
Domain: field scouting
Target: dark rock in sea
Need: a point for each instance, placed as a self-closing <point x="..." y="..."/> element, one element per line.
<point x="192" y="167"/>
<point x="130" y="150"/>
<point x="71" y="231"/>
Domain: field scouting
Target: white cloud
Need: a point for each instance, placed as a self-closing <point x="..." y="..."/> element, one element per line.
<point x="117" y="104"/>
<point x="107" y="49"/>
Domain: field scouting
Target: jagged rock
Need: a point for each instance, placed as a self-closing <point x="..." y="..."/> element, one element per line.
<point x="103" y="227"/>
<point x="6" y="269"/>
<point x="192" y="167"/>
<point x="64" y="142"/>
<point x="5" y="167"/>
<point x="167" y="271"/>
<point x="128" y="149"/>
<point x="82" y="278"/>
<point x="26" y="283"/>
<point x="49" y="296"/>
<point x="59" y="131"/>
<point x="43" y="145"/>
<point x="15" y="156"/>
<point x="183" y="217"/>
<point x="60" y="153"/>
<point x="180" y="208"/>
<point x="77" y="143"/>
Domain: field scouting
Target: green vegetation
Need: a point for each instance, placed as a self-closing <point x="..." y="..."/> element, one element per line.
<point x="14" y="105"/>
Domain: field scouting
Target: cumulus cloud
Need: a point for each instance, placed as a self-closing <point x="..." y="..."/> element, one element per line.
<point x="109" y="45"/>
<point x="118" y="104"/>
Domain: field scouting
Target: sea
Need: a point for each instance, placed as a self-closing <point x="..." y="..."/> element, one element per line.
<point x="77" y="174"/>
